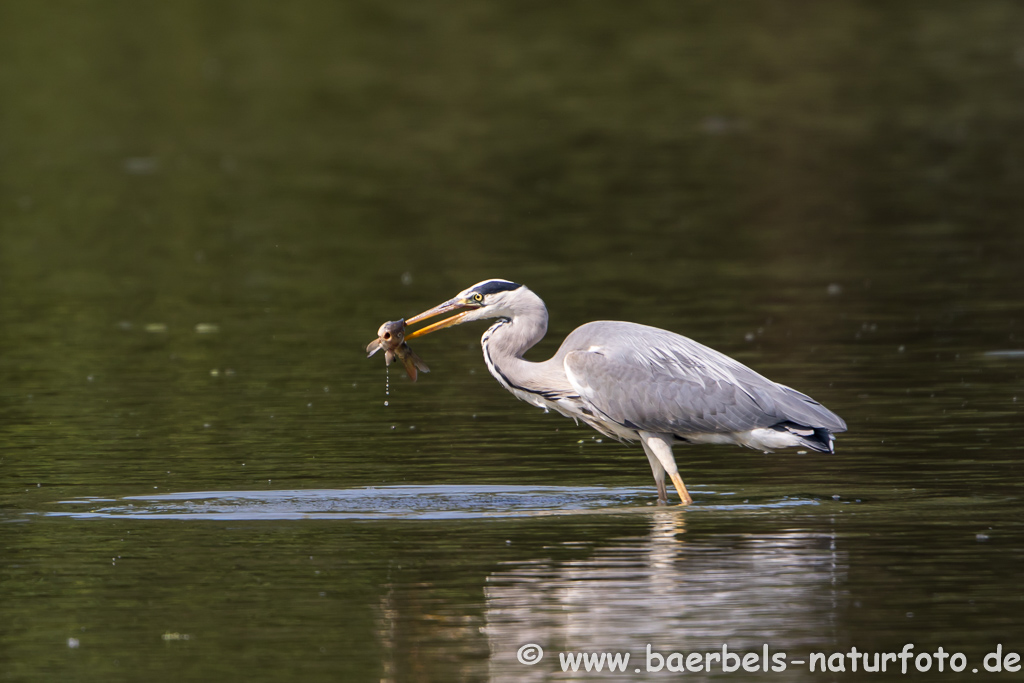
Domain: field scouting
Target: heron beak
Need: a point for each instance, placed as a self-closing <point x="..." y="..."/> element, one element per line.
<point x="447" y="306"/>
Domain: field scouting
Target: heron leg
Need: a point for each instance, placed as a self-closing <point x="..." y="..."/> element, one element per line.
<point x="659" y="448"/>
<point x="659" y="475"/>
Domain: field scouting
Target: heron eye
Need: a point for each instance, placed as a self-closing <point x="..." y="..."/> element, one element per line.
<point x="478" y="297"/>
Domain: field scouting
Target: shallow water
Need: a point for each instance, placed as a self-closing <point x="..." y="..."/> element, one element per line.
<point x="207" y="211"/>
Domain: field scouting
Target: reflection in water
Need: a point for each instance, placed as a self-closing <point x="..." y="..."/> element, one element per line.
<point x="675" y="595"/>
<point x="677" y="592"/>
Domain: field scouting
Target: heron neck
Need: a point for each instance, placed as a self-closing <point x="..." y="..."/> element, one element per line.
<point x="504" y="344"/>
<point x="509" y="338"/>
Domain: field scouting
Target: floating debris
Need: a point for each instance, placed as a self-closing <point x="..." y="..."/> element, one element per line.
<point x="141" y="165"/>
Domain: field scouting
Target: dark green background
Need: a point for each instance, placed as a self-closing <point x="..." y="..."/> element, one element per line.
<point x="829" y="192"/>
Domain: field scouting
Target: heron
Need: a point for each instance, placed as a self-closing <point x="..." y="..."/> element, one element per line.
<point x="634" y="382"/>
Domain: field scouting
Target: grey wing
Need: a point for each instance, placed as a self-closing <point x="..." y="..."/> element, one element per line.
<point x="650" y="379"/>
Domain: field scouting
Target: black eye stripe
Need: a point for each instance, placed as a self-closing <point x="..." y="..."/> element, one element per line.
<point x="495" y="286"/>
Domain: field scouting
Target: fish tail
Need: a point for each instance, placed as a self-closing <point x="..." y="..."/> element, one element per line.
<point x="410" y="361"/>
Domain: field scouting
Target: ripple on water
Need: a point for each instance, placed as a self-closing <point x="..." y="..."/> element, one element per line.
<point x="1014" y="354"/>
<point x="390" y="502"/>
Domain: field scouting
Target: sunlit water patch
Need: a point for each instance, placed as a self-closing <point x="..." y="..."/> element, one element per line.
<point x="388" y="502"/>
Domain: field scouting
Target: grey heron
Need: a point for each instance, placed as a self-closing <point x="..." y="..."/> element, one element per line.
<point x="630" y="381"/>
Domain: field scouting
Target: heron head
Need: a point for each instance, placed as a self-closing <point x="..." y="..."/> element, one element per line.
<point x="487" y="299"/>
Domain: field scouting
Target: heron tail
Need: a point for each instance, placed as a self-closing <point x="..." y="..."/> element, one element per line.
<point x="816" y="438"/>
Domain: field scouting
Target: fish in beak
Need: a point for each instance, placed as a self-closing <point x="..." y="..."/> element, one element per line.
<point x="391" y="338"/>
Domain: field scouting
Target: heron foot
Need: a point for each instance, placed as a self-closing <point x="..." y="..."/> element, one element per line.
<point x="684" y="496"/>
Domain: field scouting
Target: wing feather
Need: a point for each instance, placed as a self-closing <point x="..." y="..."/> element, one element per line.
<point x="651" y="379"/>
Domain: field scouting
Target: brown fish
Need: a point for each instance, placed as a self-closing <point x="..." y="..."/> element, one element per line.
<point x="391" y="338"/>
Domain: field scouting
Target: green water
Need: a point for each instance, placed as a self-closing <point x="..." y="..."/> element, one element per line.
<point x="207" y="209"/>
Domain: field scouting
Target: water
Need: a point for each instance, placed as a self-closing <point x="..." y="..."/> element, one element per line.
<point x="207" y="211"/>
<point x="394" y="502"/>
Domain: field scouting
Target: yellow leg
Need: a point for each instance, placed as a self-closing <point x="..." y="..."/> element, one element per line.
<point x="684" y="496"/>
<point x="659" y="451"/>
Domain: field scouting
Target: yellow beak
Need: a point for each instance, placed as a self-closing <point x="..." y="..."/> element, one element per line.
<point x="451" y="305"/>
